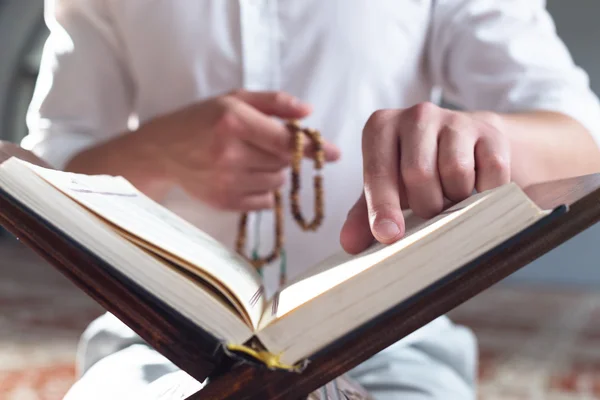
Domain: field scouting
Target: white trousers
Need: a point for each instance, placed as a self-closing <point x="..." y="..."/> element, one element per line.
<point x="435" y="362"/>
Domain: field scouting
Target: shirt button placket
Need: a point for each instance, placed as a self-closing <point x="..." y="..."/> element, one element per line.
<point x="260" y="65"/>
<point x="259" y="47"/>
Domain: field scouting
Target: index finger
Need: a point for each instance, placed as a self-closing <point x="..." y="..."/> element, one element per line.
<point x="380" y="169"/>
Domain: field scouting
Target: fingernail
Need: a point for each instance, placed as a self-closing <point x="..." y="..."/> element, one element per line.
<point x="387" y="229"/>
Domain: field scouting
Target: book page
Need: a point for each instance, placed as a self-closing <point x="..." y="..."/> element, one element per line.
<point x="162" y="231"/>
<point x="342" y="266"/>
<point x="328" y="305"/>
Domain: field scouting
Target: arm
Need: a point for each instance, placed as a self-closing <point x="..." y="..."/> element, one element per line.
<point x="505" y="57"/>
<point x="83" y="96"/>
<point x="128" y="156"/>
<point x="529" y="116"/>
<point x="8" y="150"/>
<point x="226" y="151"/>
<point x="548" y="145"/>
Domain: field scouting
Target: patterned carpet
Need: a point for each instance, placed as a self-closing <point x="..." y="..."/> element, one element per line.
<point x="535" y="343"/>
<point x="42" y="316"/>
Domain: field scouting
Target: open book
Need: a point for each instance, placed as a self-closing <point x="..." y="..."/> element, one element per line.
<point x="218" y="291"/>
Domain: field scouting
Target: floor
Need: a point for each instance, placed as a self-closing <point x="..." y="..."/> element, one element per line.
<point x="42" y="316"/>
<point x="535" y="343"/>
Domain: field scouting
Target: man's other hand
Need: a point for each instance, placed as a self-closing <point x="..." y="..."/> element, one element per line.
<point x="227" y="151"/>
<point x="421" y="158"/>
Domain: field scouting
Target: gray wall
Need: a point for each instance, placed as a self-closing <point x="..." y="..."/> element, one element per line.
<point x="577" y="24"/>
<point x="577" y="261"/>
<point x="21" y="28"/>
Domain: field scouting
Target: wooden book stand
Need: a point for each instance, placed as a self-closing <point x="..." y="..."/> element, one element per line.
<point x="576" y="200"/>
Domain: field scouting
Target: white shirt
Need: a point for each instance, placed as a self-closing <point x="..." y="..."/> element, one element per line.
<point x="109" y="60"/>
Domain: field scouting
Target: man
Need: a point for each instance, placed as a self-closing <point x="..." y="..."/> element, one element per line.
<point x="204" y="80"/>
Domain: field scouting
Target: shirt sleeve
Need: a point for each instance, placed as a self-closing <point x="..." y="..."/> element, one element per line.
<point x="83" y="93"/>
<point x="506" y="56"/>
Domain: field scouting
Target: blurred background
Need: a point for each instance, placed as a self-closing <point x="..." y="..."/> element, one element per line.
<point x="539" y="331"/>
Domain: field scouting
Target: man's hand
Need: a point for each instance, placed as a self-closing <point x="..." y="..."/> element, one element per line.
<point x="421" y="158"/>
<point x="227" y="151"/>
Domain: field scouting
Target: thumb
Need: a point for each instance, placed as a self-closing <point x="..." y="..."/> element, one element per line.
<point x="330" y="151"/>
<point x="356" y="235"/>
<point x="274" y="103"/>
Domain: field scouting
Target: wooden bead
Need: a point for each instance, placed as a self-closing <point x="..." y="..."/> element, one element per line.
<point x="319" y="160"/>
<point x="278" y="245"/>
<point x="299" y="136"/>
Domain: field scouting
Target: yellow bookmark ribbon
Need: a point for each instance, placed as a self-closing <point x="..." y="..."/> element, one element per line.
<point x="269" y="359"/>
